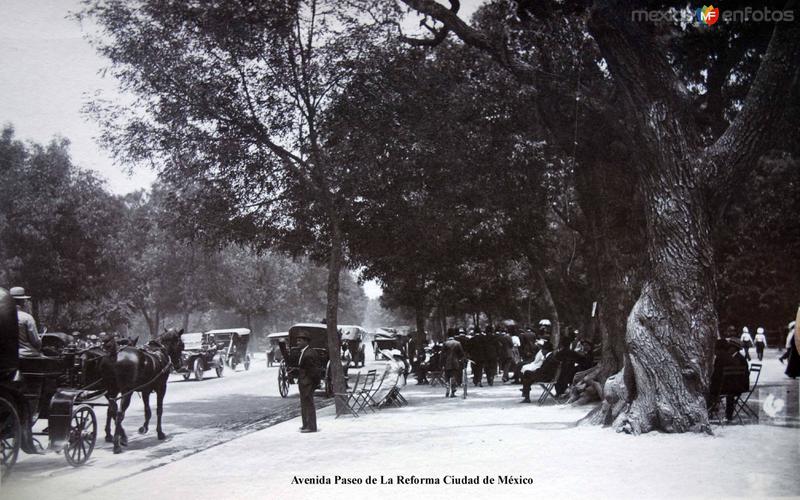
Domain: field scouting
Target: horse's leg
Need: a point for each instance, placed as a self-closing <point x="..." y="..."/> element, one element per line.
<point x="120" y="439"/>
<point x="161" y="391"/>
<point x="111" y="413"/>
<point x="146" y="400"/>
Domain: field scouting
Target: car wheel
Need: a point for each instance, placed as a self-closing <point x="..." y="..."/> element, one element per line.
<point x="198" y="370"/>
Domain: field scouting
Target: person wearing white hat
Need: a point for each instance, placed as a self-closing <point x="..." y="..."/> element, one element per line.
<point x="761" y="343"/>
<point x="747" y="342"/>
<point x="29" y="342"/>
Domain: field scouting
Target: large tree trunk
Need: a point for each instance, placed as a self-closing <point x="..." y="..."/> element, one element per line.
<point x="332" y="311"/>
<point x="551" y="307"/>
<point x="419" y="315"/>
<point x="186" y="313"/>
<point x="672" y="326"/>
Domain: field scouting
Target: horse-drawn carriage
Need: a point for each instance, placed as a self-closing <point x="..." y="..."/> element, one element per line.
<point x="273" y="349"/>
<point x="289" y="370"/>
<point x="352" y="337"/>
<point x="233" y="342"/>
<point x="200" y="353"/>
<point x="52" y="388"/>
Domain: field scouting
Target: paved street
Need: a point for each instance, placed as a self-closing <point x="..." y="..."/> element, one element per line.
<point x="197" y="416"/>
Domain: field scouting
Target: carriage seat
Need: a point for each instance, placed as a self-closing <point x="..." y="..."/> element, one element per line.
<point x="41" y="366"/>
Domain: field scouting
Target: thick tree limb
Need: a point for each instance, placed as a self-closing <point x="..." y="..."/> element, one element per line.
<point x="770" y="110"/>
<point x="639" y="65"/>
<point x="496" y="48"/>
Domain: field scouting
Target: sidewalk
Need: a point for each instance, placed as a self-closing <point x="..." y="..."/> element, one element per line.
<point x="488" y="435"/>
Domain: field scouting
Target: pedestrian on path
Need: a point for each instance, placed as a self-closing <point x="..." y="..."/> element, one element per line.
<point x="747" y="342"/>
<point x="761" y="343"/>
<point x="453" y="363"/>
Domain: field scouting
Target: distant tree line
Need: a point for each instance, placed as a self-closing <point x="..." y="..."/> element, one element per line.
<point x="98" y="261"/>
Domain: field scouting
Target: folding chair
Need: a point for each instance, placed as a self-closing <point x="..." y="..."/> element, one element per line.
<point x="393" y="397"/>
<point x="436" y="378"/>
<point x="548" y="387"/>
<point x="370" y="396"/>
<point x="716" y="412"/>
<point x="362" y="397"/>
<point x="348" y="398"/>
<point x="741" y="402"/>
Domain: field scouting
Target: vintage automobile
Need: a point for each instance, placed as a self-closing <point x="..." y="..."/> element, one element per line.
<point x="273" y="350"/>
<point x="200" y="353"/>
<point x="232" y="342"/>
<point x="289" y="369"/>
<point x="352" y="336"/>
<point x="386" y="339"/>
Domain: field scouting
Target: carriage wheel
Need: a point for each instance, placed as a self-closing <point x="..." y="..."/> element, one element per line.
<point x="283" y="381"/>
<point x="198" y="370"/>
<point x="10" y="436"/>
<point x="82" y="436"/>
<point x="220" y="368"/>
<point x="233" y="361"/>
<point x="247" y="363"/>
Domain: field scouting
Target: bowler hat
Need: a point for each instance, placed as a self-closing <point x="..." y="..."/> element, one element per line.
<point x="18" y="293"/>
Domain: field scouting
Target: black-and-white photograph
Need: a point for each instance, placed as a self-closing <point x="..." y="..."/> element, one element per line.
<point x="361" y="249"/>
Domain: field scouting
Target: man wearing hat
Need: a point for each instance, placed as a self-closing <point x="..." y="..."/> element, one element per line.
<point x="29" y="342"/>
<point x="307" y="382"/>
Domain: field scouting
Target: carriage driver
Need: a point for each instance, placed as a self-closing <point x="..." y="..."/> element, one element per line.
<point x="30" y="345"/>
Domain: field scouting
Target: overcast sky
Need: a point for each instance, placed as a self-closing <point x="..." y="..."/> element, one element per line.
<point x="48" y="71"/>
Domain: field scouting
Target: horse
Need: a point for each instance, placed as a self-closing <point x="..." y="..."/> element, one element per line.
<point x="144" y="370"/>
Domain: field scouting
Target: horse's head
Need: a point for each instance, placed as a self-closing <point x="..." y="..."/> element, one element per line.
<point x="171" y="340"/>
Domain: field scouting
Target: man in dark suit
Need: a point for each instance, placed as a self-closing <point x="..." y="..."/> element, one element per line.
<point x="491" y="347"/>
<point x="727" y="355"/>
<point x="307" y="382"/>
<point x="476" y="346"/>
<point x="453" y="363"/>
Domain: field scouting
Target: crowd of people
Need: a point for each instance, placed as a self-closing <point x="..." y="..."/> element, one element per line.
<point x="517" y="355"/>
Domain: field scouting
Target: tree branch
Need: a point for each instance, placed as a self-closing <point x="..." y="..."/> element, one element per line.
<point x="771" y="108"/>
<point x="497" y="48"/>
